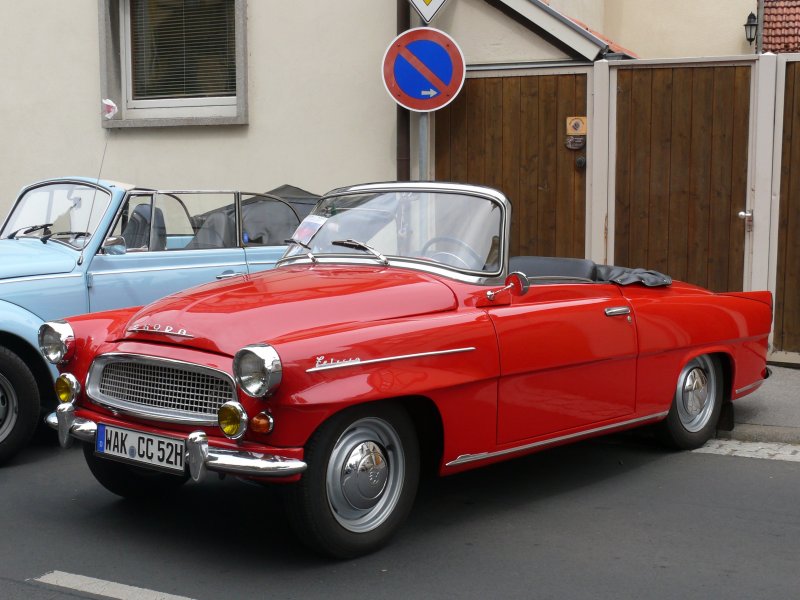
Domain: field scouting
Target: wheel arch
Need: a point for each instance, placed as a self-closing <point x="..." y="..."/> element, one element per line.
<point x="427" y="421"/>
<point x="41" y="370"/>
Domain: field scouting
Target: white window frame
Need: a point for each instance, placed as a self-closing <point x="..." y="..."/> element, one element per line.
<point x="116" y="79"/>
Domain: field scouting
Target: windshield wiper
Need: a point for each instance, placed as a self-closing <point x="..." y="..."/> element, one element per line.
<point x="356" y="245"/>
<point x="28" y="229"/>
<point x="76" y="234"/>
<point x="302" y="245"/>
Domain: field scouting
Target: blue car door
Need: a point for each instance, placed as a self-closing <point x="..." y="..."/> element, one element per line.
<point x="172" y="241"/>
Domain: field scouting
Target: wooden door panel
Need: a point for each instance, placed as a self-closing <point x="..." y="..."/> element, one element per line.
<point x="787" y="293"/>
<point x="681" y="172"/>
<point x="509" y="133"/>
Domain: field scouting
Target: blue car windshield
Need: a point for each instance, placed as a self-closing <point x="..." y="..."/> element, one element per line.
<point x="65" y="212"/>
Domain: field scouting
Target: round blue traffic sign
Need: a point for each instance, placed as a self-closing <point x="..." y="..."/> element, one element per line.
<point x="423" y="69"/>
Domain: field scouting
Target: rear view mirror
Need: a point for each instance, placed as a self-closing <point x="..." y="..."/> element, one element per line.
<point x="517" y="283"/>
<point x="114" y="245"/>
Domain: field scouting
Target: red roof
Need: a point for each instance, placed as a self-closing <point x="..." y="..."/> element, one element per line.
<point x="781" y="26"/>
<point x="612" y="45"/>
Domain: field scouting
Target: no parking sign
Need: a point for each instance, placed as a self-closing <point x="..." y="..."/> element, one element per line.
<point x="423" y="69"/>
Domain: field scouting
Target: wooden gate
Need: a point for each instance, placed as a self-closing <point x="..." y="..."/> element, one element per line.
<point x="681" y="171"/>
<point x="786" y="337"/>
<point x="509" y="133"/>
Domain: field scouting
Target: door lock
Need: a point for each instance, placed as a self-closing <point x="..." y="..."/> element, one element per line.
<point x="747" y="215"/>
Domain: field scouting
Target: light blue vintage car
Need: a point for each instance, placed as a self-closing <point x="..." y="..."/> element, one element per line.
<point x="77" y="245"/>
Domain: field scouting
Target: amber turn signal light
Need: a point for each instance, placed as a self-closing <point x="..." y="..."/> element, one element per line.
<point x="262" y="423"/>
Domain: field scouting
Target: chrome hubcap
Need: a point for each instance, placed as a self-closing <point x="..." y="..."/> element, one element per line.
<point x="8" y="407"/>
<point x="364" y="477"/>
<point x="695" y="392"/>
<point x="696" y="395"/>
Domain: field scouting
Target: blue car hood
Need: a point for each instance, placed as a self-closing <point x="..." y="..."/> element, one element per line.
<point x="30" y="257"/>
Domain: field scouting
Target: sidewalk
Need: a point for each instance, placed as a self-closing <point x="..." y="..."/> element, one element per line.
<point x="770" y="414"/>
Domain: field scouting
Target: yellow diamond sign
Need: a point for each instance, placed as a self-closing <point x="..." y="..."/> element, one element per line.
<point x="427" y="9"/>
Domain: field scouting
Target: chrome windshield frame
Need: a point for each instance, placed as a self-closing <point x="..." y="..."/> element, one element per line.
<point x="440" y="269"/>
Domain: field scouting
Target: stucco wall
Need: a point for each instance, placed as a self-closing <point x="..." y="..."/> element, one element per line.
<point x="487" y="36"/>
<point x="658" y="29"/>
<point x="319" y="115"/>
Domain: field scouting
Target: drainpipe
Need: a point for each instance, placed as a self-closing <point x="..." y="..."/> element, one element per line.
<point x="760" y="28"/>
<point x="404" y="115"/>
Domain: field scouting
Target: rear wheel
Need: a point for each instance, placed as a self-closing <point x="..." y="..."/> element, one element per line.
<point x="129" y="481"/>
<point x="19" y="404"/>
<point x="363" y="471"/>
<point x="696" y="405"/>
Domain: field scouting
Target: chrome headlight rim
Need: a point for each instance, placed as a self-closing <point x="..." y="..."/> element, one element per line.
<point x="258" y="370"/>
<point x="74" y="387"/>
<point x="243" y="419"/>
<point x="56" y="341"/>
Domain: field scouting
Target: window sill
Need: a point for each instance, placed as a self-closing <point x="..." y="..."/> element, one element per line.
<point x="173" y="122"/>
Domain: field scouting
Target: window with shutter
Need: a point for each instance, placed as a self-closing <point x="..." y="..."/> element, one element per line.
<point x="181" y="62"/>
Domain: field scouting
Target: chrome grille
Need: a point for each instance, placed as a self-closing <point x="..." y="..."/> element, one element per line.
<point x="158" y="388"/>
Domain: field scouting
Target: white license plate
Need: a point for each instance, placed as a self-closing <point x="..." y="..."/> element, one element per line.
<point x="138" y="447"/>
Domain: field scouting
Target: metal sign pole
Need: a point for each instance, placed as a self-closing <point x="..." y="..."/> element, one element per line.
<point x="423" y="147"/>
<point x="423" y="174"/>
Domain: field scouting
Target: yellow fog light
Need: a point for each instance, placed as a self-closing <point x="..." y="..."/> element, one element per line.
<point x="232" y="420"/>
<point x="67" y="387"/>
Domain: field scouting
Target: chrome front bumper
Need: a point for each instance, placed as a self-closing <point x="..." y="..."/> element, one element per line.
<point x="200" y="456"/>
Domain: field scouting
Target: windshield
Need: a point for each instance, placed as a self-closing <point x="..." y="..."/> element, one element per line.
<point x="456" y="230"/>
<point x="65" y="212"/>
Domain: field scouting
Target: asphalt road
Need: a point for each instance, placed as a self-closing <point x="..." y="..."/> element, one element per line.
<point x="614" y="518"/>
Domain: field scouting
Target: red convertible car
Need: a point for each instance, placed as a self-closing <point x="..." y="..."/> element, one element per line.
<point x="396" y="333"/>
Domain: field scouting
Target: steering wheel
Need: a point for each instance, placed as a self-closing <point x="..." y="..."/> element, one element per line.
<point x="477" y="260"/>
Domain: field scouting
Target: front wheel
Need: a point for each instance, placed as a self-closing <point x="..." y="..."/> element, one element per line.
<point x="19" y="404"/>
<point x="363" y="471"/>
<point x="696" y="405"/>
<point x="129" y="481"/>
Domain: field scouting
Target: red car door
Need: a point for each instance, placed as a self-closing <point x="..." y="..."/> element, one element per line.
<point x="567" y="359"/>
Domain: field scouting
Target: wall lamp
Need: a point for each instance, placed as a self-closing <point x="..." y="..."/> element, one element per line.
<point x="750" y="28"/>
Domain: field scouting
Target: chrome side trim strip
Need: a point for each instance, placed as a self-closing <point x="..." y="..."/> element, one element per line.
<point x="355" y="363"/>
<point x="172" y="268"/>
<point x="37" y="277"/>
<point x="468" y="458"/>
<point x="752" y="386"/>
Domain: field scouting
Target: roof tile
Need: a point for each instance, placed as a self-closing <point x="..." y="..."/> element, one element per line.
<point x="781" y="26"/>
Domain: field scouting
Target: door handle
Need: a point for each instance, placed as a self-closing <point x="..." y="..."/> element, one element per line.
<point x="747" y="216"/>
<point x="228" y="274"/>
<point x="617" y="311"/>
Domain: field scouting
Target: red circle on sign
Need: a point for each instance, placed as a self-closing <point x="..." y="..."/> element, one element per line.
<point x="448" y="91"/>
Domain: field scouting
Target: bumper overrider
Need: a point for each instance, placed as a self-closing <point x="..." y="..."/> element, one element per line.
<point x="200" y="456"/>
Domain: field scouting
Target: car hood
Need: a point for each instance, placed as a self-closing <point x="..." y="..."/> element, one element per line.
<point x="288" y="303"/>
<point x="30" y="257"/>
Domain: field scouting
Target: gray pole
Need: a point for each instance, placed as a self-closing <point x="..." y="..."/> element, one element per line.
<point x="760" y="28"/>
<point x="424" y="175"/>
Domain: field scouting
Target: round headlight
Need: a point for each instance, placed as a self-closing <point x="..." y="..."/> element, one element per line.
<point x="258" y="370"/>
<point x="232" y="419"/>
<point x="67" y="387"/>
<point x="56" y="341"/>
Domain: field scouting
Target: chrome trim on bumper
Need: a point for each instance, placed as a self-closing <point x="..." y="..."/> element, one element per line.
<point x="200" y="456"/>
<point x="468" y="458"/>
